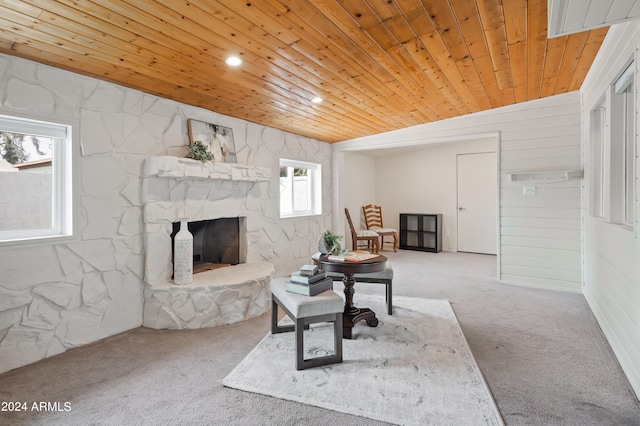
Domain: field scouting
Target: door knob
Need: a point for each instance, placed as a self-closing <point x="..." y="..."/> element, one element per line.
<point x="461" y="209"/>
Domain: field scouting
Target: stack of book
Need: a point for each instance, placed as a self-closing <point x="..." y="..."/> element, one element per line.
<point x="309" y="281"/>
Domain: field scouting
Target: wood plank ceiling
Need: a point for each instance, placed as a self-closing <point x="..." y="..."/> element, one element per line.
<point x="380" y="65"/>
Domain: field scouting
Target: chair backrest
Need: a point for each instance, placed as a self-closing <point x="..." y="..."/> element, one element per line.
<point x="354" y="235"/>
<point x="372" y="216"/>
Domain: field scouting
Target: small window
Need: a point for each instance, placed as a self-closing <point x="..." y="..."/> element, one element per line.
<point x="35" y="176"/>
<point x="300" y="188"/>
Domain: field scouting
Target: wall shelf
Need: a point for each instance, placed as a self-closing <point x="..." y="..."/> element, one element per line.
<point x="544" y="176"/>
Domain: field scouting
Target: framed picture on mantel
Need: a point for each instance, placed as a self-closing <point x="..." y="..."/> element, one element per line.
<point x="218" y="139"/>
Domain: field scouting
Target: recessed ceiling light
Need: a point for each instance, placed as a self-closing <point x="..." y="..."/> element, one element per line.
<point x="316" y="100"/>
<point x="233" y="61"/>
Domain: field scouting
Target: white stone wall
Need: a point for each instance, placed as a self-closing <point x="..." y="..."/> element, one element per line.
<point x="175" y="188"/>
<point x="58" y="296"/>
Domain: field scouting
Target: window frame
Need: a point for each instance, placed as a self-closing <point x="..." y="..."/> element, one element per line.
<point x="64" y="170"/>
<point x="598" y="161"/>
<point x="314" y="185"/>
<point x="622" y="149"/>
<point x="613" y="152"/>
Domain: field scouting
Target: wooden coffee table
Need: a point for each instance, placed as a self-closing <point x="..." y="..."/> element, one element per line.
<point x="352" y="314"/>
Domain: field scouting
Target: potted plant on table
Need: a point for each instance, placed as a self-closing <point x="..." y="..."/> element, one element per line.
<point x="330" y="243"/>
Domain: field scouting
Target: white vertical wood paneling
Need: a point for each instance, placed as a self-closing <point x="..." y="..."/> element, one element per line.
<point x="612" y="253"/>
<point x="536" y="135"/>
<point x="572" y="16"/>
<point x="597" y="12"/>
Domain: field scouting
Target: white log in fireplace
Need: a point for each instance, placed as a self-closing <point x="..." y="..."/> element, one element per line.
<point x="175" y="188"/>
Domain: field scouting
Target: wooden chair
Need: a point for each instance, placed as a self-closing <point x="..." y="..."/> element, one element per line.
<point x="370" y="237"/>
<point x="373" y="220"/>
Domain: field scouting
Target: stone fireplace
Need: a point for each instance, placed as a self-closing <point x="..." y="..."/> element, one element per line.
<point x="216" y="242"/>
<point x="222" y="201"/>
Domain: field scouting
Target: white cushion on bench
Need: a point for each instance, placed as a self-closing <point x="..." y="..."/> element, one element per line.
<point x="328" y="302"/>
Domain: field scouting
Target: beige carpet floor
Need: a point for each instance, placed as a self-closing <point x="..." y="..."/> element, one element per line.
<point x="414" y="368"/>
<point x="542" y="354"/>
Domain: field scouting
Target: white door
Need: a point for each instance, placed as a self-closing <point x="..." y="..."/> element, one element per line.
<point x="477" y="202"/>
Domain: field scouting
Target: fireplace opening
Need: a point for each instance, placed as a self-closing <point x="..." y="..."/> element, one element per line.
<point x="216" y="243"/>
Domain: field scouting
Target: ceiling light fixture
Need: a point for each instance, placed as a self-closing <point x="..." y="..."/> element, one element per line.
<point x="233" y="61"/>
<point x="316" y="100"/>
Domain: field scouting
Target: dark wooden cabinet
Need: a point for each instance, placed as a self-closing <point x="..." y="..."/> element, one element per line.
<point x="421" y="232"/>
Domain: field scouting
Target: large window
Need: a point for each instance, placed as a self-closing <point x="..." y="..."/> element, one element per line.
<point x="300" y="188"/>
<point x="623" y="149"/>
<point x="35" y="177"/>
<point x="613" y="152"/>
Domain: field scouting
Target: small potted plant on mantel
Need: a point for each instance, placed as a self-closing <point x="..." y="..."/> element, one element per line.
<point x="198" y="151"/>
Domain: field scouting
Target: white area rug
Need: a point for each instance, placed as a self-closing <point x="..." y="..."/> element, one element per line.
<point x="414" y="368"/>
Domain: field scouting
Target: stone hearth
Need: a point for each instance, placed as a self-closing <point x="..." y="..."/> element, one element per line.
<point x="175" y="188"/>
<point x="219" y="297"/>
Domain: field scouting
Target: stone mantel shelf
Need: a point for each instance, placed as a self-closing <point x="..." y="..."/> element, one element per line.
<point x="186" y="168"/>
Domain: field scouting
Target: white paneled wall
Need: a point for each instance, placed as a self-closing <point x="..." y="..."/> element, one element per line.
<point x="539" y="234"/>
<point x="611" y="252"/>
